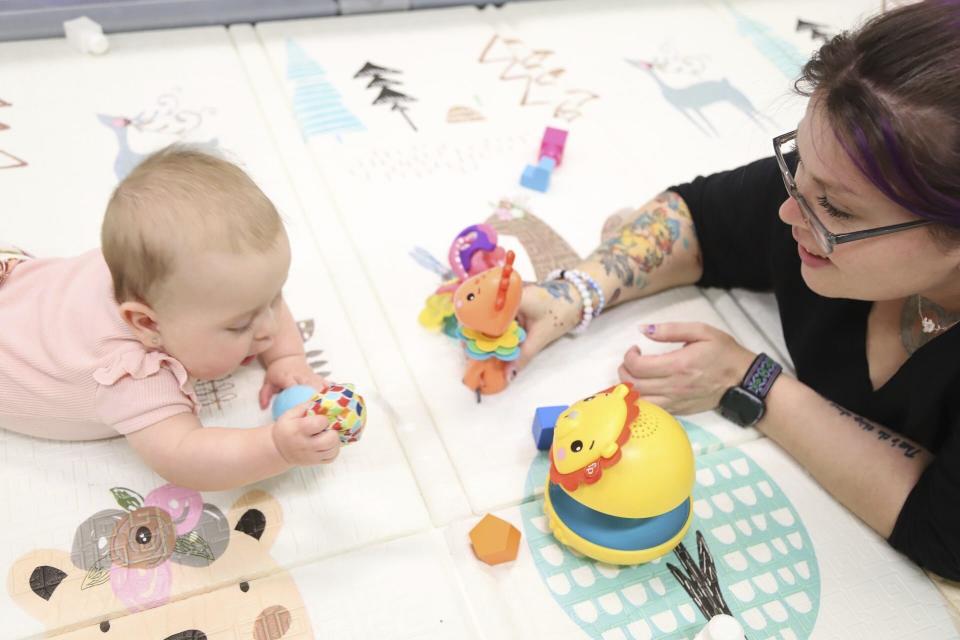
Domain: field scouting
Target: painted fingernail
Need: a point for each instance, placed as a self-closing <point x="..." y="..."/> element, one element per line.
<point x="649" y="329"/>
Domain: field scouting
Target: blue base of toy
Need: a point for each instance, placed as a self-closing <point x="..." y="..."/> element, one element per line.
<point x="291" y="397"/>
<point x="543" y="422"/>
<point x="623" y="534"/>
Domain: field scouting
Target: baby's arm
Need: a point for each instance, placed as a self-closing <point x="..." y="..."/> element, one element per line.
<point x="190" y="455"/>
<point x="285" y="360"/>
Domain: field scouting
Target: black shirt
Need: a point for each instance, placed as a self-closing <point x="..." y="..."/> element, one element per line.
<point x="745" y="244"/>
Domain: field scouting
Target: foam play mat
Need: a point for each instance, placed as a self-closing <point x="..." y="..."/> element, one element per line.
<point x="380" y="137"/>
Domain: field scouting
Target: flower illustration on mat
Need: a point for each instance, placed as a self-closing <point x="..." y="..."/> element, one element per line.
<point x="133" y="548"/>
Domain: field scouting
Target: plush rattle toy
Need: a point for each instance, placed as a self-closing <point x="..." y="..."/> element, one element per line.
<point x="473" y="251"/>
<point x="486" y="307"/>
<point x="340" y="403"/>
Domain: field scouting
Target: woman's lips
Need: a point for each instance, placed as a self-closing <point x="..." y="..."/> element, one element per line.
<point x="807" y="257"/>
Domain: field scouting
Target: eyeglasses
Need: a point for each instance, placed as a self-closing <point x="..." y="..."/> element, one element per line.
<point x="825" y="239"/>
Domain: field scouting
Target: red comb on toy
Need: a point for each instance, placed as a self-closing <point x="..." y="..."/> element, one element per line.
<point x="504" y="282"/>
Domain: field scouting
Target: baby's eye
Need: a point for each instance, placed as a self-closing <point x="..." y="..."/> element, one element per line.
<point x="105" y="626"/>
<point x="244" y="586"/>
<point x="576" y="446"/>
<point x="240" y="329"/>
<point x="470" y="297"/>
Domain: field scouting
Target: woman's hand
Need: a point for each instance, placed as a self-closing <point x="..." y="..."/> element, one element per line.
<point x="547" y="312"/>
<point x="693" y="378"/>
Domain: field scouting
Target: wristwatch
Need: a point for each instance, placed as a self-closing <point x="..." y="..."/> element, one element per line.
<point x="745" y="404"/>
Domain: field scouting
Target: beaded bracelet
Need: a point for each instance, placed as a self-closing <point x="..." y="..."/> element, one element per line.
<point x="601" y="301"/>
<point x="581" y="280"/>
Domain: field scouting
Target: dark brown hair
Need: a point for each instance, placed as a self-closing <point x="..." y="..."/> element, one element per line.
<point x="891" y="91"/>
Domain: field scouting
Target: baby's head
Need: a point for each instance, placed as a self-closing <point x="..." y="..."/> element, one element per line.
<point x="198" y="256"/>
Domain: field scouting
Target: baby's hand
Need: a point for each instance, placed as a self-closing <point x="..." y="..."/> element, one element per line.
<point x="305" y="440"/>
<point x="286" y="372"/>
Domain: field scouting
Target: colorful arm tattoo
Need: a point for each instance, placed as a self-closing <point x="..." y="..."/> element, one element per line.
<point x="559" y="289"/>
<point x="642" y="244"/>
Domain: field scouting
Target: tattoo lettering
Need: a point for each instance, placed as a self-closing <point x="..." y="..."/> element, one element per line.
<point x="898" y="442"/>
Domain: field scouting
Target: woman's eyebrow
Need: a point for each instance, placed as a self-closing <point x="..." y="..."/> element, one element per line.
<point x="833" y="187"/>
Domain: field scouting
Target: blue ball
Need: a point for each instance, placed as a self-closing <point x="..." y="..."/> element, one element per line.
<point x="291" y="397"/>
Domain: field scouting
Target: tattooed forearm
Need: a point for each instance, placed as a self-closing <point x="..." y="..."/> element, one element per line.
<point x="908" y="448"/>
<point x="642" y="244"/>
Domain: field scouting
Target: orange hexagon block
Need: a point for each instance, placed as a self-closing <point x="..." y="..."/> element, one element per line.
<point x="495" y="540"/>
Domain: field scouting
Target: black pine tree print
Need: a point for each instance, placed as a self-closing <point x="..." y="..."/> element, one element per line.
<point x="379" y="79"/>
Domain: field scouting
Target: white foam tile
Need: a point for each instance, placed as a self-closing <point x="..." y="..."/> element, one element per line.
<point x="761" y="308"/>
<point x="324" y="57"/>
<point x="722" y="87"/>
<point x="393" y="196"/>
<point x="436" y="476"/>
<point x="869" y="590"/>
<point x="402" y="589"/>
<point x="753" y="319"/>
<point x="790" y="563"/>
<point x="711" y="102"/>
<point x="488" y="443"/>
<point x="194" y="78"/>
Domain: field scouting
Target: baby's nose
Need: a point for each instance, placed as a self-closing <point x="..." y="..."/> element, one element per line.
<point x="267" y="327"/>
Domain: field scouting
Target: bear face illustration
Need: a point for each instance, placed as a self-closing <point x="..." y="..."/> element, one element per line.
<point x="183" y="569"/>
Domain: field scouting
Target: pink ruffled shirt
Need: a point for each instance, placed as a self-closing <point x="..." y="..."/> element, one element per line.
<point x="70" y="368"/>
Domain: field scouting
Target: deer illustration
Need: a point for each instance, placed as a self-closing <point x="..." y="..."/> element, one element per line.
<point x="690" y="100"/>
<point x="126" y="158"/>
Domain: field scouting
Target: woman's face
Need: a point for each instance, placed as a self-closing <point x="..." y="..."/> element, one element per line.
<point x="886" y="267"/>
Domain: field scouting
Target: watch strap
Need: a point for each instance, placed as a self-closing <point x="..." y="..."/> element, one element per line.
<point x="761" y="375"/>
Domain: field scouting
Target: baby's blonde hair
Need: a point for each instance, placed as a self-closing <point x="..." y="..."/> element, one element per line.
<point x="181" y="198"/>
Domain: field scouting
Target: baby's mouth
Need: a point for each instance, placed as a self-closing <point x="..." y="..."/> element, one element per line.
<point x="247" y="360"/>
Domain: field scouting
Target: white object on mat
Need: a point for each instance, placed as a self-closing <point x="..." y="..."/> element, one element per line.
<point x="722" y="627"/>
<point x="86" y="35"/>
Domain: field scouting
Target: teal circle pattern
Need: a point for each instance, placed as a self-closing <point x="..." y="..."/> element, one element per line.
<point x="766" y="564"/>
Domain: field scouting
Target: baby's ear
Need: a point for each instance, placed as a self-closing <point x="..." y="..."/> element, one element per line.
<point x="257" y="514"/>
<point x="34" y="579"/>
<point x="142" y="320"/>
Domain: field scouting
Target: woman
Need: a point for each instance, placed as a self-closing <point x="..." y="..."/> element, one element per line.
<point x="857" y="231"/>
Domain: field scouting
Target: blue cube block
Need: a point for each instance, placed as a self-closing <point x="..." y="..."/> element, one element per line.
<point x="543" y="421"/>
<point x="538" y="177"/>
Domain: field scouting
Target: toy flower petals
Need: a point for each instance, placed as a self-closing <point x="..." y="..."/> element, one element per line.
<point x="139" y="588"/>
<point x="437" y="308"/>
<point x="185" y="506"/>
<point x="504" y="344"/>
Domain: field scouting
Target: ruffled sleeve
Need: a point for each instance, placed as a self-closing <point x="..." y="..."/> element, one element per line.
<point x="139" y="388"/>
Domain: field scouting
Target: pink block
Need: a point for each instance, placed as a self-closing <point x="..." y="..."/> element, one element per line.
<point x="554" y="140"/>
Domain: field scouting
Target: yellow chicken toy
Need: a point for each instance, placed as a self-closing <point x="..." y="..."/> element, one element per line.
<point x="621" y="478"/>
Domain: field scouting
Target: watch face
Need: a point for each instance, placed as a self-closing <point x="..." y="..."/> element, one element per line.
<point x="741" y="406"/>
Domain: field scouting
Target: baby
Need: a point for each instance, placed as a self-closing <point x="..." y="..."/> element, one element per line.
<point x="187" y="286"/>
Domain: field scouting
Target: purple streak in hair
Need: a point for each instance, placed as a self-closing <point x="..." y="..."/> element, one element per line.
<point x="906" y="187"/>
